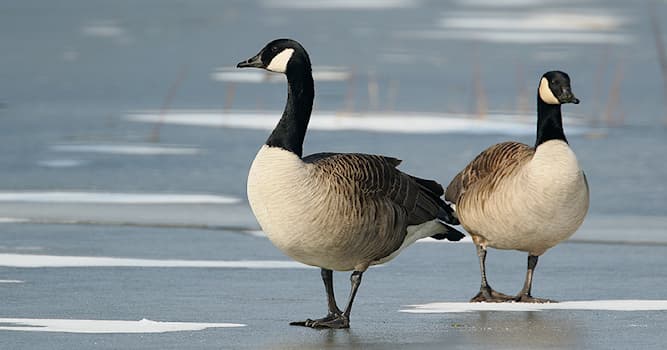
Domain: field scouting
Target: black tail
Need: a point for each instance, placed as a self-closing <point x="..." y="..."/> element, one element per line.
<point x="447" y="214"/>
<point x="451" y="234"/>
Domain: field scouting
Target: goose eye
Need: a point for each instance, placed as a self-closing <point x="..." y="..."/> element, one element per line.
<point x="274" y="49"/>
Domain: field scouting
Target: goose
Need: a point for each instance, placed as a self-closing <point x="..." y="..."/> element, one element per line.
<point x="513" y="196"/>
<point x="335" y="211"/>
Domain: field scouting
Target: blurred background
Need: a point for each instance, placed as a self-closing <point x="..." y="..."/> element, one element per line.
<point x="143" y="97"/>
<point x="125" y="128"/>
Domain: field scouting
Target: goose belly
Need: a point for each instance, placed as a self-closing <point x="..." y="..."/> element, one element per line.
<point x="299" y="216"/>
<point x="535" y="210"/>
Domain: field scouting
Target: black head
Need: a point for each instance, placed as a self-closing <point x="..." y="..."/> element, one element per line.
<point x="555" y="88"/>
<point x="278" y="56"/>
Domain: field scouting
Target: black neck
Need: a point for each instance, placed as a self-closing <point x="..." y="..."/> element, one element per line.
<point x="549" y="123"/>
<point x="291" y="129"/>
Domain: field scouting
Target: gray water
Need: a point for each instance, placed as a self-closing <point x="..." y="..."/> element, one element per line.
<point x="71" y="70"/>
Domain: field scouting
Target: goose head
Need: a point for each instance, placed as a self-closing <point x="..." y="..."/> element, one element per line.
<point x="555" y="89"/>
<point x="280" y="56"/>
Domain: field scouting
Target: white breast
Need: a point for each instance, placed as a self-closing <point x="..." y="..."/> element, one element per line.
<point x="277" y="195"/>
<point x="292" y="210"/>
<point x="537" y="207"/>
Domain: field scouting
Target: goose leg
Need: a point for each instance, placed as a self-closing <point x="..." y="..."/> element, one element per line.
<point x="337" y="319"/>
<point x="334" y="312"/>
<point x="486" y="293"/>
<point x="524" y="295"/>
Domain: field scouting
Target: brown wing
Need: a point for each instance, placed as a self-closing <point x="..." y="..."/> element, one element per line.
<point x="374" y="177"/>
<point x="491" y="164"/>
<point x="374" y="180"/>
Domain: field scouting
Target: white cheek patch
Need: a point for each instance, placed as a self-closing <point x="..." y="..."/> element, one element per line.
<point x="279" y="62"/>
<point x="545" y="93"/>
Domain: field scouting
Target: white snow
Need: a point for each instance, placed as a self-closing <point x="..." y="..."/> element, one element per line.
<point x="112" y="198"/>
<point x="504" y="3"/>
<point x="103" y="29"/>
<point x="38" y="261"/>
<point x="562" y="26"/>
<point x="127" y="149"/>
<point x="256" y="233"/>
<point x="516" y="37"/>
<point x="605" y="305"/>
<point x="532" y="21"/>
<point x="11" y="281"/>
<point x="12" y="220"/>
<point x="411" y="123"/>
<point x="60" y="163"/>
<point x="339" y="4"/>
<point x="104" y="326"/>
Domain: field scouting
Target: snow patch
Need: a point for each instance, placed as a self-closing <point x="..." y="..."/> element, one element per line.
<point x="320" y="73"/>
<point x="60" y="163"/>
<point x="105" y="326"/>
<point x="584" y="26"/>
<point x="112" y="198"/>
<point x="11" y="281"/>
<point x="340" y="4"/>
<point x="39" y="261"/>
<point x="256" y="233"/>
<point x="504" y="3"/>
<point x="551" y="21"/>
<point x="12" y="220"/>
<point x="515" y="37"/>
<point x="411" y="123"/>
<point x="597" y="305"/>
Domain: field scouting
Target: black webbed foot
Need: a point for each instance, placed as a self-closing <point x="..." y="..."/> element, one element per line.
<point x="333" y="321"/>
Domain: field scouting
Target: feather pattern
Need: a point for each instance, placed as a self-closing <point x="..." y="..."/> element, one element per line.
<point x="513" y="196"/>
<point x="354" y="210"/>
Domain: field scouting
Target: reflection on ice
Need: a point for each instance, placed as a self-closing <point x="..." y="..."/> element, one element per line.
<point x="104" y="326"/>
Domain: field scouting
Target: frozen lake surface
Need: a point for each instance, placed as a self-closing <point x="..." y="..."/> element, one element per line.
<point x="613" y="294"/>
<point x="127" y="136"/>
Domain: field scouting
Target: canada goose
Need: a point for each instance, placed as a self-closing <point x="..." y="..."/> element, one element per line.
<point x="336" y="211"/>
<point x="513" y="196"/>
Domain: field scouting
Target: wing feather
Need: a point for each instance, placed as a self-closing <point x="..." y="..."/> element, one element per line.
<point x="488" y="167"/>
